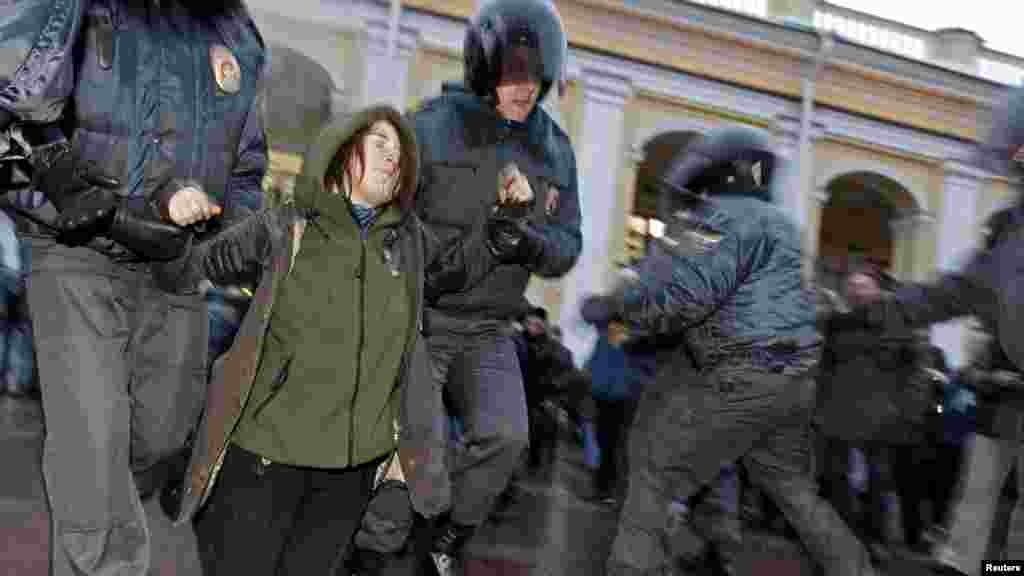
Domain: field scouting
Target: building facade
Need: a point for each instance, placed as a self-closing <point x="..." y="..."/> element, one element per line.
<point x="880" y="119"/>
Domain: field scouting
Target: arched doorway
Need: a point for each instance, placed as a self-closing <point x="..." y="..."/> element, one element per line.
<point x="858" y="226"/>
<point x="643" y="224"/>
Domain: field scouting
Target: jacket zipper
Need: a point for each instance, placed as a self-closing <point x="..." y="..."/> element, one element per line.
<point x="361" y="276"/>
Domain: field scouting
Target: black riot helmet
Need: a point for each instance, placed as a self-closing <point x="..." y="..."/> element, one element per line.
<point x="1003" y="153"/>
<point x="734" y="160"/>
<point x="729" y="161"/>
<point x="522" y="35"/>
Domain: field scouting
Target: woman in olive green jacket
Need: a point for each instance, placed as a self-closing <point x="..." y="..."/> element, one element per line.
<point x="305" y="405"/>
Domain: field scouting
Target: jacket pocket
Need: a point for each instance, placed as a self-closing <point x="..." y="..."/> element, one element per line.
<point x="276" y="385"/>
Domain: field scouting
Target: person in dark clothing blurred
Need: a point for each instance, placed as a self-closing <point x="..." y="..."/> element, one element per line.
<point x="871" y="399"/>
<point x="953" y="420"/>
<point x="543" y="360"/>
<point x="987" y="287"/>
<point x="617" y="374"/>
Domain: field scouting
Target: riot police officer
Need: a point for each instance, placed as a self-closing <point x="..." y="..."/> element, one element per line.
<point x="725" y="280"/>
<point x="989" y="288"/>
<point x="481" y="142"/>
<point x="138" y="122"/>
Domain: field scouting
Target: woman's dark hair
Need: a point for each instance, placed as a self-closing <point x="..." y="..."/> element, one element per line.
<point x="334" y="177"/>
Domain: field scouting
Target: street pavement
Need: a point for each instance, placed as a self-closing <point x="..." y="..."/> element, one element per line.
<point x="550" y="530"/>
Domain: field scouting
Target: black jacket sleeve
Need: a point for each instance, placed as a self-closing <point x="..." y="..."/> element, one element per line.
<point x="954" y="295"/>
<point x="236" y="254"/>
<point x="560" y="235"/>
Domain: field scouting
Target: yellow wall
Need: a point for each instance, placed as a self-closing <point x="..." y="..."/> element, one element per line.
<point x="430" y="69"/>
<point x="916" y="175"/>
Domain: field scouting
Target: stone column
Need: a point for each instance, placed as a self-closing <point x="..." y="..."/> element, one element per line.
<point x="906" y="236"/>
<point x="798" y="200"/>
<point x="386" y="76"/>
<point x="812" y="238"/>
<point x="599" y="157"/>
<point x="787" y="132"/>
<point x="957" y="238"/>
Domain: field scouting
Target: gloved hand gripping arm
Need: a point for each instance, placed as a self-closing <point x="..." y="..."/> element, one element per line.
<point x="237" y="253"/>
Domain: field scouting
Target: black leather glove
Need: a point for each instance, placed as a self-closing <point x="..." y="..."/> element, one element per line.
<point x="83" y="196"/>
<point x="87" y="215"/>
<point x="513" y="240"/>
<point x="235" y="255"/>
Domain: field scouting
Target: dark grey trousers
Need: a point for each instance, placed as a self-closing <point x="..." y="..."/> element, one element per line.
<point x="476" y="363"/>
<point x="122" y="374"/>
<point x="692" y="432"/>
<point x="975" y="528"/>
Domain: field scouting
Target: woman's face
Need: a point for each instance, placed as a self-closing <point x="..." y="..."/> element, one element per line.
<point x="377" y="184"/>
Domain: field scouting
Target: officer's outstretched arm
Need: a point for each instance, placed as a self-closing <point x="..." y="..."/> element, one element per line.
<point x="672" y="292"/>
<point x="954" y="295"/>
<point x="237" y="253"/>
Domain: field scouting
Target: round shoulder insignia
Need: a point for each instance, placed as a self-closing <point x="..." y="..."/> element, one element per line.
<point x="226" y="70"/>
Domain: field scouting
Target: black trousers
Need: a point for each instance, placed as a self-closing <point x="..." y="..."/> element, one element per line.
<point x="543" y="439"/>
<point x="945" y="473"/>
<point x="279" y="520"/>
<point x="613" y="420"/>
<point x="892" y="468"/>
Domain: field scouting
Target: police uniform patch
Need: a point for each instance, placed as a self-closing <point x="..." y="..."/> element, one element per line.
<point x="226" y="70"/>
<point x="691" y="235"/>
<point x="551" y="202"/>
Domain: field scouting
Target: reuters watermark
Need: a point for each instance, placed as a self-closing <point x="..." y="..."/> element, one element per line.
<point x="1002" y="567"/>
